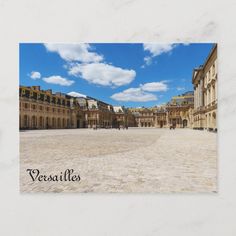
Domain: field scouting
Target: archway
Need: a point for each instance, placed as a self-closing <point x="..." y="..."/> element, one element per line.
<point x="214" y="120"/>
<point x="40" y="122"/>
<point x="53" y="122"/>
<point x="78" y="123"/>
<point x="33" y="122"/>
<point x="47" y="122"/>
<point x="63" y="123"/>
<point x="58" y="123"/>
<point x="185" y="123"/>
<point x="161" y="124"/>
<point x="25" y="121"/>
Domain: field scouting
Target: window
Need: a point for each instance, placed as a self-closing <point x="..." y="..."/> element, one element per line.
<point x="213" y="69"/>
<point x="26" y="105"/>
<point x="48" y="98"/>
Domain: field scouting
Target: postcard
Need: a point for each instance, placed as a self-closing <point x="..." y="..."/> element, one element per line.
<point x="118" y="117"/>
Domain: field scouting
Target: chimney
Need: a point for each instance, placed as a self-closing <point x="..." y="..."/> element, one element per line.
<point x="49" y="91"/>
<point x="37" y="88"/>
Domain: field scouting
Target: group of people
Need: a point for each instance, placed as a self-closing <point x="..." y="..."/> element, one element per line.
<point x="123" y="127"/>
<point x="172" y="126"/>
<point x="95" y="127"/>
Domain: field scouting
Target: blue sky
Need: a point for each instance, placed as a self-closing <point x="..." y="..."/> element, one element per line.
<point x="132" y="75"/>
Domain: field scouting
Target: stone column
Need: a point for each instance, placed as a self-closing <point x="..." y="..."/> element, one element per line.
<point x="207" y="97"/>
<point x="211" y="89"/>
<point x="204" y="101"/>
<point x="210" y="95"/>
<point x="197" y="96"/>
<point x="216" y="90"/>
<point x="201" y="94"/>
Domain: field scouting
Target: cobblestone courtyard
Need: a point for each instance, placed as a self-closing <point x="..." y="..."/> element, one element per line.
<point x="133" y="160"/>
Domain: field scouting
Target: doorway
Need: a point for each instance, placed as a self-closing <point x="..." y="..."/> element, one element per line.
<point x="185" y="123"/>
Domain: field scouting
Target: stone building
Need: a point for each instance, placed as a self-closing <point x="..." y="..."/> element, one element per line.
<point x="123" y="117"/>
<point x="204" y="80"/>
<point x="161" y="118"/>
<point x="177" y="112"/>
<point x="79" y="107"/>
<point x="144" y="117"/>
<point x="179" y="116"/>
<point x="98" y="114"/>
<point x="186" y="98"/>
<point x="41" y="109"/>
<point x="44" y="110"/>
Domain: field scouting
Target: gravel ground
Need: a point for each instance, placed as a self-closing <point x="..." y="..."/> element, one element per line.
<point x="133" y="160"/>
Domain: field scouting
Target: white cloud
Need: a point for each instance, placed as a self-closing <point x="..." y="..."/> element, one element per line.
<point x="35" y="75"/>
<point x="142" y="93"/>
<point x="147" y="61"/>
<point x="134" y="95"/>
<point x="83" y="63"/>
<point x="102" y="74"/>
<point x="74" y="52"/>
<point x="180" y="88"/>
<point x="156" y="50"/>
<point x="56" y="79"/>
<point x="75" y="94"/>
<point x="155" y="86"/>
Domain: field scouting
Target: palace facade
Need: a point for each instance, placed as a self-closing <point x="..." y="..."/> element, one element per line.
<point x="177" y="113"/>
<point x="42" y="109"/>
<point x="204" y="80"/>
<point x="144" y="117"/>
<point x="98" y="114"/>
<point x="123" y="117"/>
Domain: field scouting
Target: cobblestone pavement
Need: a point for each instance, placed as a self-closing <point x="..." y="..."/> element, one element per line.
<point x="133" y="160"/>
